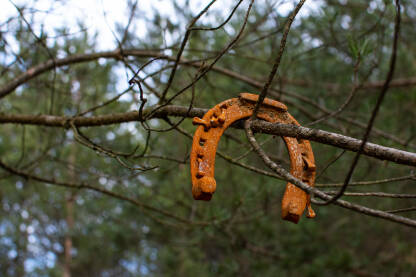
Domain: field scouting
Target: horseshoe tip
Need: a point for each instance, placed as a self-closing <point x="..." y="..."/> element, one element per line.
<point x="291" y="217"/>
<point x="311" y="213"/>
<point x="204" y="188"/>
<point x="203" y="196"/>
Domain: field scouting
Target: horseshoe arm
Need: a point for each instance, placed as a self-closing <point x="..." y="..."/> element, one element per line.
<point x="218" y="119"/>
<point x="205" y="141"/>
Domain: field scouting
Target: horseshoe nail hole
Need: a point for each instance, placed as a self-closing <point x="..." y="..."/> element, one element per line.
<point x="199" y="175"/>
<point x="202" y="141"/>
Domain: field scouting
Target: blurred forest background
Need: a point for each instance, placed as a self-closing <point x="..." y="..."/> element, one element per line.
<point x="91" y="187"/>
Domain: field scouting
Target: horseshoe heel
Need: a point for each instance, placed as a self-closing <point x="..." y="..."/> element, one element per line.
<point x="218" y="119"/>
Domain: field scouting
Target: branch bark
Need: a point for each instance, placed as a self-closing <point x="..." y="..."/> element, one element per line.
<point x="321" y="136"/>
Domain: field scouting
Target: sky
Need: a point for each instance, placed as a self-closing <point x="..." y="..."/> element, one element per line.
<point x="101" y="15"/>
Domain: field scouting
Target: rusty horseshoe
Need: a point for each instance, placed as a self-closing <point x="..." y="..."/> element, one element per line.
<point x="219" y="118"/>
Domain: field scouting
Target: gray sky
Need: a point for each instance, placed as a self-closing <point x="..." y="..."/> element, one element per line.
<point x="101" y="15"/>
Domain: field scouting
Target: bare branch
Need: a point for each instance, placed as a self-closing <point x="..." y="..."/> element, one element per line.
<point x="334" y="139"/>
<point x="368" y="183"/>
<point x="374" y="194"/>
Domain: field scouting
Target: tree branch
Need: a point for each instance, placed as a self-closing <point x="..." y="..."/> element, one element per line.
<point x="321" y="136"/>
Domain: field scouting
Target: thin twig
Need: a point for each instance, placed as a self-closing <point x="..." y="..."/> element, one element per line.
<point x="374" y="194"/>
<point x="276" y="64"/>
<point x="410" y="209"/>
<point x="182" y="47"/>
<point x="367" y="183"/>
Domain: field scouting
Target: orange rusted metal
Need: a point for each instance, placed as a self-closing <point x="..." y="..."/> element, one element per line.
<point x="219" y="118"/>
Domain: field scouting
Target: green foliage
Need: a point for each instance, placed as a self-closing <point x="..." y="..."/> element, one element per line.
<point x="240" y="231"/>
